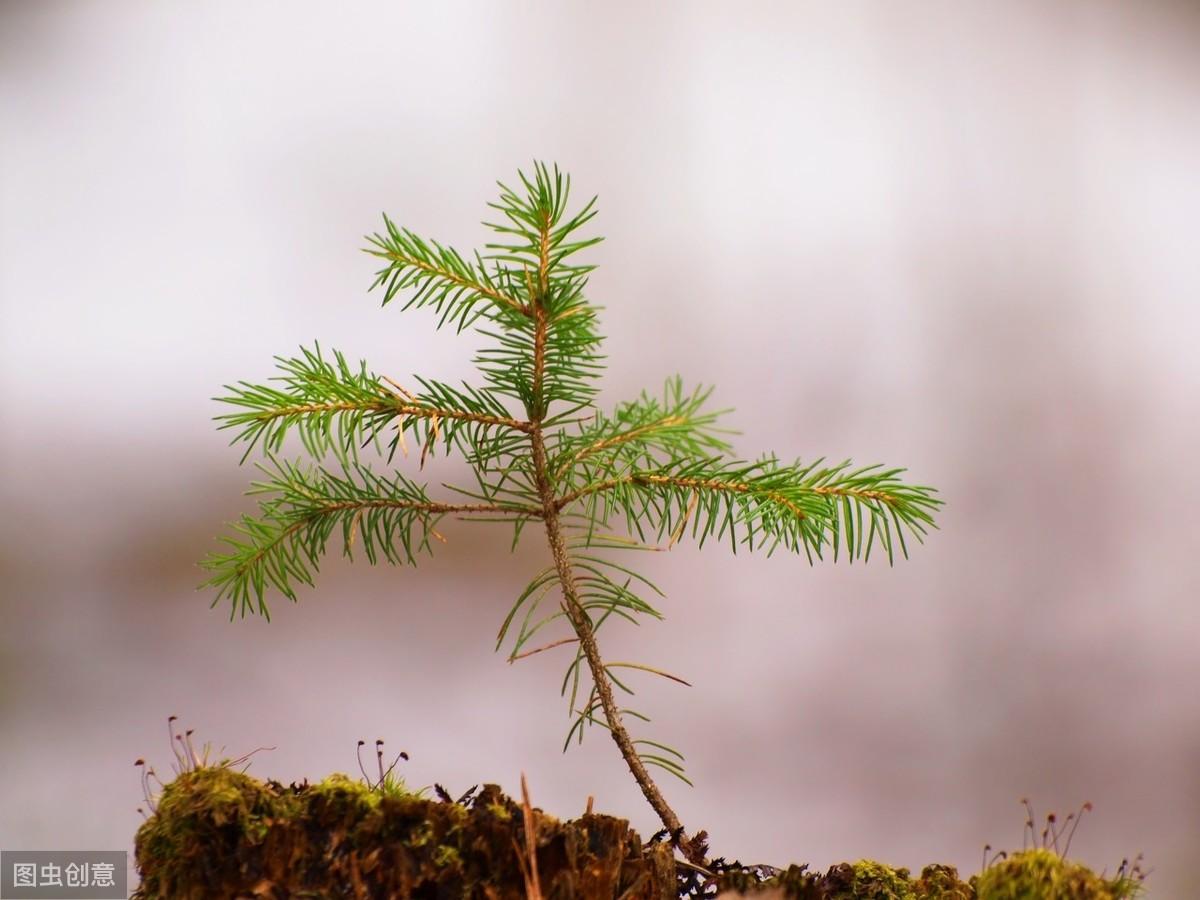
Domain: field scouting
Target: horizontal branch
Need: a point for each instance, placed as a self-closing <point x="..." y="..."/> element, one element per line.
<point x="766" y="504"/>
<point x="390" y="517"/>
<point x="393" y="253"/>
<point x="616" y="440"/>
<point x="714" y="484"/>
<point x="481" y="289"/>
<point x="426" y="508"/>
<point x="642" y="435"/>
<point x="400" y="409"/>
<point x="431" y="508"/>
<point x="332" y="404"/>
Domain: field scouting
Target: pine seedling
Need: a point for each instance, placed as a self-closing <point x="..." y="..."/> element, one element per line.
<point x="654" y="471"/>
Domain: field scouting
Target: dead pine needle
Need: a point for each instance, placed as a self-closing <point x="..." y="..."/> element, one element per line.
<point x="528" y="859"/>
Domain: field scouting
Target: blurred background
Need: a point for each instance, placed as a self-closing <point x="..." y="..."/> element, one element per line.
<point x="960" y="238"/>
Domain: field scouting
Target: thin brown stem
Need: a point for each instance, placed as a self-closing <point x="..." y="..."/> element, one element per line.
<point x="572" y="606"/>
<point x="587" y="639"/>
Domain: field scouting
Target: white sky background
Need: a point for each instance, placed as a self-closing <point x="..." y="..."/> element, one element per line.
<point x="956" y="237"/>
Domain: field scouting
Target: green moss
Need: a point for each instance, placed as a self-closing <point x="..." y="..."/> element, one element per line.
<point x="499" y="811"/>
<point x="219" y="833"/>
<point x="421" y="835"/>
<point x="863" y="880"/>
<point x="869" y="880"/>
<point x="208" y="810"/>
<point x="1031" y="875"/>
<point x="344" y="789"/>
<point x="212" y="797"/>
<point x="355" y="790"/>
<point x="942" y="882"/>
<point x="1044" y="875"/>
<point x="877" y="880"/>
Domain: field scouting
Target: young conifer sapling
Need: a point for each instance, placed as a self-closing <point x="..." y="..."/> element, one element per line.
<point x="593" y="484"/>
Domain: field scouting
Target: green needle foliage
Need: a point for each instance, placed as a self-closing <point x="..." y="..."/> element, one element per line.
<point x="654" y="471"/>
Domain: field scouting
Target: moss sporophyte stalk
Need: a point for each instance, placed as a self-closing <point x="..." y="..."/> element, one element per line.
<point x="594" y="485"/>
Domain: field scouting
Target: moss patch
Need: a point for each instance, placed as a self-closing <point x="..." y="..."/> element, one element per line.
<point x="1044" y="875"/>
<point x="217" y="832"/>
<point x="221" y="833"/>
<point x="863" y="880"/>
<point x="1029" y="875"/>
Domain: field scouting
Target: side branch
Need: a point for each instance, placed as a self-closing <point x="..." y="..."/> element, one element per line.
<point x="729" y="487"/>
<point x="454" y="278"/>
<point x="430" y="508"/>
<point x="310" y="516"/>
<point x="400" y="409"/>
<point x="617" y="439"/>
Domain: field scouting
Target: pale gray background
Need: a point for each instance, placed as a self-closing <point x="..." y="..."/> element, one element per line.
<point x="959" y="237"/>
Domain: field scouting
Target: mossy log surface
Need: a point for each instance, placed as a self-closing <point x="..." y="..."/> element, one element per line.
<point x="219" y="833"/>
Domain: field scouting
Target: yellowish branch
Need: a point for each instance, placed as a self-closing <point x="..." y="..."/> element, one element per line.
<point x="401" y="409"/>
<point x="618" y="439"/>
<point x="427" y="508"/>
<point x="716" y="484"/>
<point x="482" y="289"/>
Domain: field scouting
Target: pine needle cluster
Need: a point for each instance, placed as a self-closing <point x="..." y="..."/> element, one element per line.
<point x="654" y="471"/>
